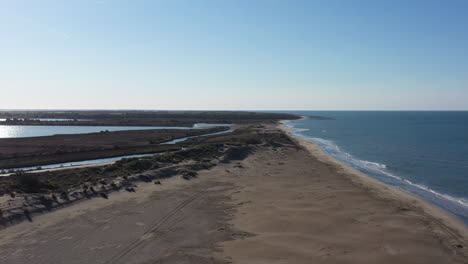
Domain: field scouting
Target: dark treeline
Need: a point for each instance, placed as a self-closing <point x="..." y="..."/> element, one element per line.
<point x="138" y="118"/>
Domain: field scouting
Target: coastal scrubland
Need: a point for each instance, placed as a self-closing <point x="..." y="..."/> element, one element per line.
<point x="255" y="195"/>
<point x="37" y="151"/>
<point x="137" y="118"/>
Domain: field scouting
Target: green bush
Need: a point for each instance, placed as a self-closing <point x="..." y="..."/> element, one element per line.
<point x="28" y="182"/>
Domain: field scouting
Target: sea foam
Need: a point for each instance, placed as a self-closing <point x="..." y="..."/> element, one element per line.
<point x="370" y="167"/>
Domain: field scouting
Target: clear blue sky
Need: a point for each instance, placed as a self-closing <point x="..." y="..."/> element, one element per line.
<point x="234" y="54"/>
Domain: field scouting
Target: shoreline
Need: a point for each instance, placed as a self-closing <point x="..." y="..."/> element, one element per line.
<point x="280" y="203"/>
<point x="449" y="199"/>
<point x="382" y="190"/>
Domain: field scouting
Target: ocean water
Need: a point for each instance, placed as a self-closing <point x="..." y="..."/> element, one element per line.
<point x="424" y="153"/>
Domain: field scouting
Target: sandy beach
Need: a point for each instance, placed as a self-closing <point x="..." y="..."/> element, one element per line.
<point x="234" y="132"/>
<point x="287" y="203"/>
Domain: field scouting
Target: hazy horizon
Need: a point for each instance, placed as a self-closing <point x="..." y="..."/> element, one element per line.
<point x="230" y="110"/>
<point x="234" y="55"/>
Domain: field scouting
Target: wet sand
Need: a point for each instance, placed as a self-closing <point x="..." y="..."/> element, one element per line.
<point x="283" y="204"/>
<point x="306" y="207"/>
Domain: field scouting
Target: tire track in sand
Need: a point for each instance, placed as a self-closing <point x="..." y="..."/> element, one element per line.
<point x="155" y="226"/>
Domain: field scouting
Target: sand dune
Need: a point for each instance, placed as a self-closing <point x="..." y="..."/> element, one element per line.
<point x="282" y="204"/>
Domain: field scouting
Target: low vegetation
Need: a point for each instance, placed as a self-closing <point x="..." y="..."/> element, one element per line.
<point x="29" y="152"/>
<point x="35" y="192"/>
<point x="139" y="118"/>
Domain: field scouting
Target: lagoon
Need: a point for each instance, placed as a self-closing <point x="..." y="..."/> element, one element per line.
<point x="18" y="131"/>
<point x="6" y="172"/>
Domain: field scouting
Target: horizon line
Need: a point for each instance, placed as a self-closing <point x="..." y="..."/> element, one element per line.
<point x="236" y="110"/>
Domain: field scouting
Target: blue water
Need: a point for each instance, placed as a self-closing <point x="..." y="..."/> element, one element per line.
<point x="177" y="140"/>
<point x="50" y="119"/>
<point x="425" y="153"/>
<point x="77" y="163"/>
<point x="5" y="172"/>
<point x="17" y="131"/>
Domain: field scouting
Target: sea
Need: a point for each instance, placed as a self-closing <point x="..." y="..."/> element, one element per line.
<point x="421" y="152"/>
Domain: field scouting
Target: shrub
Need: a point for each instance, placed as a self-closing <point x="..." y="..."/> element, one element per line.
<point x="28" y="182"/>
<point x="138" y="165"/>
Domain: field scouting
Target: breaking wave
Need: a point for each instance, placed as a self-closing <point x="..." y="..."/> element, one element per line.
<point x="375" y="169"/>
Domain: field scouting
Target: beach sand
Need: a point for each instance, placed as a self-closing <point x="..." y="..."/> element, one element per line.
<point x="285" y="204"/>
<point x="306" y="207"/>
